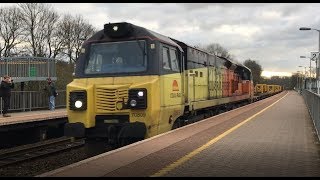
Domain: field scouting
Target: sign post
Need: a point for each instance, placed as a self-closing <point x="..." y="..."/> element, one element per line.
<point x="314" y="56"/>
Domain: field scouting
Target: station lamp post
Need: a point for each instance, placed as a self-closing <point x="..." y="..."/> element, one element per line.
<point x="298" y="81"/>
<point x="317" y="61"/>
<point x="310" y="63"/>
<point x="303" y="77"/>
<point x="310" y="71"/>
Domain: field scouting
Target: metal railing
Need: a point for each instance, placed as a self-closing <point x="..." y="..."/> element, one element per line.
<point x="33" y="100"/>
<point x="23" y="69"/>
<point x="313" y="103"/>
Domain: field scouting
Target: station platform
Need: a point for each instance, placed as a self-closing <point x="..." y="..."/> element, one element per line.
<point x="31" y="127"/>
<point x="32" y="116"/>
<point x="269" y="138"/>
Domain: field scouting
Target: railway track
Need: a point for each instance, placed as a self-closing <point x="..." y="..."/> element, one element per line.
<point x="32" y="151"/>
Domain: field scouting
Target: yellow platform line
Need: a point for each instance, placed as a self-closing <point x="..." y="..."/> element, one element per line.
<point x="177" y="163"/>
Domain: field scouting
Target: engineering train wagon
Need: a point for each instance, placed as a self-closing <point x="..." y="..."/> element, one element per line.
<point x="262" y="91"/>
<point x="260" y="88"/>
<point x="132" y="83"/>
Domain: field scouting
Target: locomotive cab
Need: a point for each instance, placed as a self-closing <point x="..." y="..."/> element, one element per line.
<point x="120" y="83"/>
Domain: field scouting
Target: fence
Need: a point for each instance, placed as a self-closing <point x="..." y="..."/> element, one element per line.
<point x="313" y="103"/>
<point x="33" y="100"/>
<point x="23" y="69"/>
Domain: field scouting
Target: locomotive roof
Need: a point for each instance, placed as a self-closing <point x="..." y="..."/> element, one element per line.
<point x="136" y="32"/>
<point x="163" y="38"/>
<point x="189" y="46"/>
<point x="238" y="64"/>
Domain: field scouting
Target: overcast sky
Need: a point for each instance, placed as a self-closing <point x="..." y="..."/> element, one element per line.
<point x="268" y="33"/>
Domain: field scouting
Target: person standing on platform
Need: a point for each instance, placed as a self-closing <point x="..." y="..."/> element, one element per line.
<point x="5" y="88"/>
<point x="51" y="92"/>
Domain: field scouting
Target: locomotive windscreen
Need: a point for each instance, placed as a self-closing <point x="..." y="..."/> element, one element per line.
<point x="116" y="57"/>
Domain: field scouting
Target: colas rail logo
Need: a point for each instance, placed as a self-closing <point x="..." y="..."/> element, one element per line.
<point x="175" y="87"/>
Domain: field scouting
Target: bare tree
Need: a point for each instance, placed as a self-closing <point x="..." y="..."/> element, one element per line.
<point x="52" y="40"/>
<point x="39" y="21"/>
<point x="73" y="31"/>
<point x="256" y="70"/>
<point x="57" y="40"/>
<point x="65" y="27"/>
<point x="42" y="32"/>
<point x="82" y="31"/>
<point x="11" y="30"/>
<point x="218" y="50"/>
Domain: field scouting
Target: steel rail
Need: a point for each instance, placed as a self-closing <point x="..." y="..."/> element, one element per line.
<point x="32" y="151"/>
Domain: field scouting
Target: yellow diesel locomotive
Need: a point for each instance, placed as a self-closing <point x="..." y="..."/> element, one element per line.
<point x="132" y="83"/>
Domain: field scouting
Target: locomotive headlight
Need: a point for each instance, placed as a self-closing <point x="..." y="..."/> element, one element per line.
<point x="137" y="98"/>
<point x="140" y="94"/>
<point x="78" y="104"/>
<point x="133" y="103"/>
<point x="78" y="100"/>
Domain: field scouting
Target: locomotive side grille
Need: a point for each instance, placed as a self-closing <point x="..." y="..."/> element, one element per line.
<point x="106" y="99"/>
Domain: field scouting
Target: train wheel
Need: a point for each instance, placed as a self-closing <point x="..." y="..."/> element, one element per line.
<point x="127" y="141"/>
<point x="112" y="135"/>
<point x="221" y="111"/>
<point x="130" y="133"/>
<point x="176" y="124"/>
<point x="123" y="142"/>
<point x="214" y="112"/>
<point x="208" y="114"/>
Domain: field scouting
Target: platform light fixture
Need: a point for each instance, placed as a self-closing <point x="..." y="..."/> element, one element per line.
<point x="317" y="61"/>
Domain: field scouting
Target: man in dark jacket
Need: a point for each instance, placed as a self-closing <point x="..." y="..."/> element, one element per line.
<point x="51" y="93"/>
<point x="5" y="88"/>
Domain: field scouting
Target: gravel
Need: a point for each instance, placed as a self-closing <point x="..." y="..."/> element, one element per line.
<point x="41" y="165"/>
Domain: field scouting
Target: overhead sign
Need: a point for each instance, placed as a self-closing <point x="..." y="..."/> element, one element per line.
<point x="314" y="56"/>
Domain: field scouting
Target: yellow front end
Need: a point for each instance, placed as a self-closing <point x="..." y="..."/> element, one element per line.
<point x="107" y="97"/>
